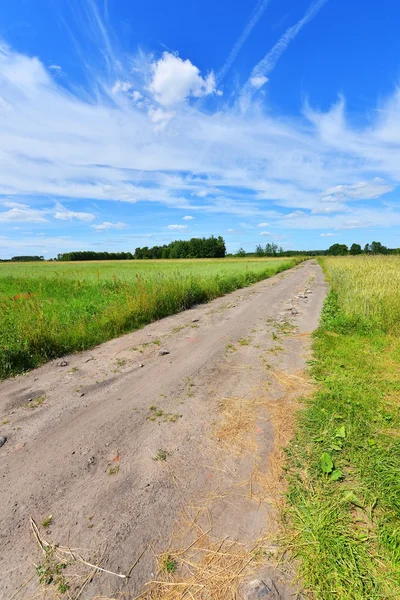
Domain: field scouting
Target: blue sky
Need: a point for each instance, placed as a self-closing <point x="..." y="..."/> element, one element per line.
<point x="126" y="124"/>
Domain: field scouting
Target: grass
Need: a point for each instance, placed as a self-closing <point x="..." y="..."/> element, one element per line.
<point x="51" y="309"/>
<point x="343" y="466"/>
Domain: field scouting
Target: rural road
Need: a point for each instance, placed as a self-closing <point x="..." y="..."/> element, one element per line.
<point x="135" y="453"/>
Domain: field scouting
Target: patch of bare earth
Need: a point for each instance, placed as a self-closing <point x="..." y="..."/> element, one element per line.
<point x="161" y="472"/>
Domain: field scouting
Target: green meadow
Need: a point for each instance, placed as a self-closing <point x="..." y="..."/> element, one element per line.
<point x="343" y="467"/>
<point x="54" y="308"/>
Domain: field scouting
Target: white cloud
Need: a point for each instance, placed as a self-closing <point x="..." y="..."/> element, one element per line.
<point x="265" y="233"/>
<point x="177" y="227"/>
<point x="136" y="95"/>
<point x="258" y="81"/>
<point x="327" y="234"/>
<point x="107" y="225"/>
<point x="121" y="86"/>
<point x="263" y="225"/>
<point x="9" y="204"/>
<point x="175" y="80"/>
<point x="364" y="190"/>
<point x="230" y="231"/>
<point x="241" y="164"/>
<point x="69" y="215"/>
<point x="23" y="215"/>
<point x="187" y="218"/>
<point x="268" y="63"/>
<point x="160" y="117"/>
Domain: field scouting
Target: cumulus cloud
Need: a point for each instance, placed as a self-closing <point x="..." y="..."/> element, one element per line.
<point x="177" y="227"/>
<point x="69" y="215"/>
<point x="263" y="225"/>
<point x="326" y="234"/>
<point x="121" y="86"/>
<point x="265" y="233"/>
<point x="107" y="225"/>
<point x="187" y="218"/>
<point x="175" y="80"/>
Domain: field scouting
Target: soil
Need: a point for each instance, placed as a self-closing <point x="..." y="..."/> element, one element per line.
<point x="134" y="452"/>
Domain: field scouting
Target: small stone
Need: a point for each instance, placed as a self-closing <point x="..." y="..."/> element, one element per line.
<point x="294" y="311"/>
<point x="195" y="320"/>
<point x="141" y="365"/>
<point x="81" y="395"/>
<point x="163" y="352"/>
<point x="259" y="590"/>
<point x="3" y="440"/>
<point x="91" y="461"/>
<point x="62" y="363"/>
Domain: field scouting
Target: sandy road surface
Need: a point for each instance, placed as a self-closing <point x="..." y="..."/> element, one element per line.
<point x="86" y="442"/>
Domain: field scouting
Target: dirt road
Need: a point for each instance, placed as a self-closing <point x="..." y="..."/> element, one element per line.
<point x="136" y="453"/>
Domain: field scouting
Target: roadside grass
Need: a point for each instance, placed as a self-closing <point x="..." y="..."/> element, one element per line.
<point x="48" y="310"/>
<point x="343" y="466"/>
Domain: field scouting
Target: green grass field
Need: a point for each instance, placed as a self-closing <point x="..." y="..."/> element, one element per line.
<point x="343" y="467"/>
<point x="50" y="309"/>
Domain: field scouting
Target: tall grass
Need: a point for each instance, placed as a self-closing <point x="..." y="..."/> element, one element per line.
<point x="369" y="289"/>
<point x="345" y="515"/>
<point x="47" y="310"/>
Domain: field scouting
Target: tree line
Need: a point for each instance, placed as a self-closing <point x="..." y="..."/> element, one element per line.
<point x="373" y="248"/>
<point x="211" y="247"/>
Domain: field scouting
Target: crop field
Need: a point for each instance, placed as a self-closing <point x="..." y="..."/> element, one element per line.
<point x="50" y="309"/>
<point x="344" y="465"/>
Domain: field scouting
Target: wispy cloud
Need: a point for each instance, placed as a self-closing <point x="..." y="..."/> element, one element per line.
<point x="187" y="218"/>
<point x="107" y="225"/>
<point x="268" y="63"/>
<point x="177" y="227"/>
<point x="70" y="215"/>
<point x="252" y="22"/>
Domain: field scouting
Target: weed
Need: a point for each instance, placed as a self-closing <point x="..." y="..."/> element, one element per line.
<point x="73" y="370"/>
<point x="169" y="564"/>
<point x="244" y="341"/>
<point x="47" y="521"/>
<point x="159" y="413"/>
<point x="35" y="402"/>
<point x="161" y="455"/>
<point x="157" y="342"/>
<point x="50" y="571"/>
<point x="230" y="348"/>
<point x="120" y="362"/>
<point x="113" y="470"/>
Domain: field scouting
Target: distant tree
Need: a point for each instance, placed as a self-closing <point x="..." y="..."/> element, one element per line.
<point x="378" y="248"/>
<point x="241" y="253"/>
<point x="259" y="250"/>
<point x="367" y="249"/>
<point x="355" y="249"/>
<point x="337" y="250"/>
<point x="26" y="258"/>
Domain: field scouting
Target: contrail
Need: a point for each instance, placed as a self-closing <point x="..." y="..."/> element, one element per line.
<point x="267" y="64"/>
<point x="254" y="18"/>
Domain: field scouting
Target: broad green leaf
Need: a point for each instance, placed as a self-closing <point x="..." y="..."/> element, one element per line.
<point x="336" y="475"/>
<point x="341" y="432"/>
<point x="326" y="463"/>
<point x="352" y="498"/>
